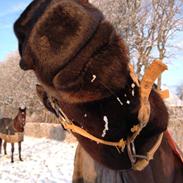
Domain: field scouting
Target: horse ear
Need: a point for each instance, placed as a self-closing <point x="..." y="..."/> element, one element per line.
<point x="22" y="108"/>
<point x="44" y="98"/>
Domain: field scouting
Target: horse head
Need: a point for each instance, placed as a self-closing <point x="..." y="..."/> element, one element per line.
<point x="58" y="40"/>
<point x="82" y="63"/>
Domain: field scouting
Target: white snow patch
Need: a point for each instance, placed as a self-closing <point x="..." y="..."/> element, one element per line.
<point x="133" y="93"/>
<point x="133" y="85"/>
<point x="22" y="106"/>
<point x="44" y="160"/>
<point x="173" y="99"/>
<point x="106" y="127"/>
<point x="128" y="102"/>
<point x="85" y="115"/>
<point x="93" y="78"/>
<point x="119" y="101"/>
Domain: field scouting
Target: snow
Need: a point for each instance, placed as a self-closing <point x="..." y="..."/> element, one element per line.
<point x="133" y="85"/>
<point x="128" y="102"/>
<point x="121" y="103"/>
<point x="106" y="128"/>
<point x="44" y="161"/>
<point x="173" y="99"/>
<point x="93" y="78"/>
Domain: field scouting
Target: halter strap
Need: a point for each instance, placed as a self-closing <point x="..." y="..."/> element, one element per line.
<point x="145" y="86"/>
<point x="142" y="163"/>
<point x="151" y="74"/>
<point x="120" y="145"/>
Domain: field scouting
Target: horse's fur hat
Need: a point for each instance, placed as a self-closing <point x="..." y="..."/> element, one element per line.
<point x="67" y="43"/>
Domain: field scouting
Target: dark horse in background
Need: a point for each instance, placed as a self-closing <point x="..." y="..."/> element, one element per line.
<point x="83" y="64"/>
<point x="12" y="131"/>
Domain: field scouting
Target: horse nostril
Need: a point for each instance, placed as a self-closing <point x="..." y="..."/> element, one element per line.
<point x="26" y="64"/>
<point x="23" y="65"/>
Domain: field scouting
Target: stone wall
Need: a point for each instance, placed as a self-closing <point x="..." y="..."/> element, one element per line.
<point x="48" y="130"/>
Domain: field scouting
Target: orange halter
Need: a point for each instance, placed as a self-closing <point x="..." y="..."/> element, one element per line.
<point x="151" y="74"/>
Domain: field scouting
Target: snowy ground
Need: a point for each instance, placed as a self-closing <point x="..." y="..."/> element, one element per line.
<point x="45" y="161"/>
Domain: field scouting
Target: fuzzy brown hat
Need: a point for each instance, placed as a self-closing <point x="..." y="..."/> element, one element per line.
<point x="72" y="49"/>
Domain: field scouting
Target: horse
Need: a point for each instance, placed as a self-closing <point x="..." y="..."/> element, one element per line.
<point x="12" y="131"/>
<point x="86" y="81"/>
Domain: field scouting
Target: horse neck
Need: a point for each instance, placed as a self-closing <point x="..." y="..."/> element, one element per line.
<point x="17" y="124"/>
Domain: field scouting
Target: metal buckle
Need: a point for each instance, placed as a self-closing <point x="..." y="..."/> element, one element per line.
<point x="132" y="153"/>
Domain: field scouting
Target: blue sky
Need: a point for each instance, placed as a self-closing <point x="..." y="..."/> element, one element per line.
<point x="11" y="9"/>
<point x="9" y="12"/>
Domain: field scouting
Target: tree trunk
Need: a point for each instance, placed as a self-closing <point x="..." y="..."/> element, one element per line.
<point x="159" y="82"/>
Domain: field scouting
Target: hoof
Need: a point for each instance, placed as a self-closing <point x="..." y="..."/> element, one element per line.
<point x="12" y="161"/>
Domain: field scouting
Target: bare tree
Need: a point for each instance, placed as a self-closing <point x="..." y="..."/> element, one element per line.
<point x="143" y="32"/>
<point x="147" y="26"/>
<point x="132" y="20"/>
<point x="169" y="20"/>
<point x="179" y="91"/>
<point x="17" y="87"/>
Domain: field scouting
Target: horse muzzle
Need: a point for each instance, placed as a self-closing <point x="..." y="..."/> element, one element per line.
<point x="23" y="65"/>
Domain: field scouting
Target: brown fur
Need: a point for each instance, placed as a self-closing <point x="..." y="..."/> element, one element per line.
<point x="82" y="62"/>
<point x="19" y="121"/>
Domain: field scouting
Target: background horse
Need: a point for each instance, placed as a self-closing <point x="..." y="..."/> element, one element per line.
<point x="11" y="131"/>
